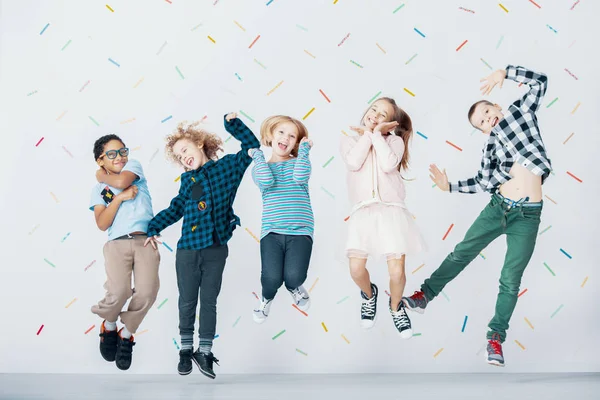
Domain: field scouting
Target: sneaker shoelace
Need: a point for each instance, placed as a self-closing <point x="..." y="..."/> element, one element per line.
<point x="298" y="295"/>
<point x="211" y="358"/>
<point x="368" y="307"/>
<point x="400" y="318"/>
<point x="496" y="346"/>
<point x="262" y="306"/>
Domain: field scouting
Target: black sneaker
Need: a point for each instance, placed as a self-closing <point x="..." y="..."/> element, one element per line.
<point x="368" y="308"/>
<point x="205" y="363"/>
<point x="124" y="352"/>
<point x="185" y="362"/>
<point x="401" y="321"/>
<point x="108" y="343"/>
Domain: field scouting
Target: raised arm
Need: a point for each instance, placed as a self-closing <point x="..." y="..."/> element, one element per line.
<point x="388" y="152"/>
<point x="241" y="132"/>
<point x="302" y="168"/>
<point x="354" y="153"/>
<point x="169" y="215"/>
<point x="537" y="82"/>
<point x="261" y="173"/>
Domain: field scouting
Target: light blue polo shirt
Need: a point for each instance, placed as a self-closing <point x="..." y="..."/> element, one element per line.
<point x="133" y="215"/>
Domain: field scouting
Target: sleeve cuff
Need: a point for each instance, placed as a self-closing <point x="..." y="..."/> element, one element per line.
<point x="453" y="187"/>
<point x="511" y="72"/>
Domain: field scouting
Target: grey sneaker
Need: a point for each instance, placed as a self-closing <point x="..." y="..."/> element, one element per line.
<point x="401" y="321"/>
<point x="368" y="308"/>
<point x="417" y="302"/>
<point x="301" y="298"/>
<point x="260" y="315"/>
<point x="494" y="351"/>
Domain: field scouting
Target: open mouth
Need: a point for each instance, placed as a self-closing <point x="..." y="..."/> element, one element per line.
<point x="494" y="121"/>
<point x="282" y="146"/>
<point x="190" y="161"/>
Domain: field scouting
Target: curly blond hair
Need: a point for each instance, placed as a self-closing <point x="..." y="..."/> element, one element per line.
<point x="270" y="124"/>
<point x="210" y="143"/>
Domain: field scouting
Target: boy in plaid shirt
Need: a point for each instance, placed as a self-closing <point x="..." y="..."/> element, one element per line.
<point x="513" y="168"/>
<point x="205" y="199"/>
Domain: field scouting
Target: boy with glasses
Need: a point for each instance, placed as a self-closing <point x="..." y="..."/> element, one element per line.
<point x="122" y="206"/>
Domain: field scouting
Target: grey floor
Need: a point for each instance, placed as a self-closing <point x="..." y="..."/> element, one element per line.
<point x="304" y="387"/>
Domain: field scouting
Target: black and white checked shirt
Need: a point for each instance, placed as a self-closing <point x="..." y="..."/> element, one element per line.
<point x="515" y="139"/>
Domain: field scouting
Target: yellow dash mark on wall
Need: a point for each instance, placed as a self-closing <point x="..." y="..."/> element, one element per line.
<point x="241" y="27"/>
<point x="141" y="333"/>
<point x="211" y="39"/>
<point x="504" y="8"/>
<point x="584" y="281"/>
<point x="252" y="234"/>
<point x="409" y="92"/>
<point x="275" y="88"/>
<point x="381" y="48"/>
<point x="520" y="345"/>
<point x="438" y="352"/>
<point x="308" y="113"/>
<point x="307" y="52"/>
<point x="345" y="338"/>
<point x="313" y="285"/>
<point x="324" y="327"/>
<point x="529" y="323"/>
<point x="71" y="302"/>
<point x="576" y="107"/>
<point x="178" y="178"/>
<point x="418" y="268"/>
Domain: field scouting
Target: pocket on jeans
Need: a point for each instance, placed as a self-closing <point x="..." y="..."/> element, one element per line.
<point x="531" y="214"/>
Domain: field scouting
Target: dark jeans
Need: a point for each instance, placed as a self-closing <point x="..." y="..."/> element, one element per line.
<point x="199" y="271"/>
<point x="285" y="258"/>
<point x="520" y="225"/>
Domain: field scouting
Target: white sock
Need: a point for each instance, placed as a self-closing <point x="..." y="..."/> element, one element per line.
<point x="110" y="326"/>
<point x="125" y="334"/>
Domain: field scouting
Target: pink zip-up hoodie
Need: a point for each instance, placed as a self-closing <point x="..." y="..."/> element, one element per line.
<point x="372" y="161"/>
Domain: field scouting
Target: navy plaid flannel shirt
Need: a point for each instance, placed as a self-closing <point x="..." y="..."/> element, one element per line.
<point x="515" y="139"/>
<point x="207" y="208"/>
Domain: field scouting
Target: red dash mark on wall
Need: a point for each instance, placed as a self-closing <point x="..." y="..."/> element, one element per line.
<point x="296" y="307"/>
<point x="453" y="145"/>
<point x="89" y="329"/>
<point x="535" y="4"/>
<point x="252" y="44"/>
<point x="462" y="44"/>
<point x="574" y="177"/>
<point x="324" y="95"/>
<point x="40" y="330"/>
<point x="40" y="141"/>
<point x="448" y="231"/>
<point x="522" y="293"/>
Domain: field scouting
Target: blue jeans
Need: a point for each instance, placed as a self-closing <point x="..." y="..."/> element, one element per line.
<point x="285" y="259"/>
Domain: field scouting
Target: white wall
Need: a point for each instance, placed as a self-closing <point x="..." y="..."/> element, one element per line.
<point x="445" y="82"/>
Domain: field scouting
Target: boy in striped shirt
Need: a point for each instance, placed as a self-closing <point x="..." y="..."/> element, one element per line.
<point x="287" y="219"/>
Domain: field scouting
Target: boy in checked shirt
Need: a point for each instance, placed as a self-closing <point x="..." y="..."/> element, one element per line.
<point x="513" y="168"/>
<point x="205" y="199"/>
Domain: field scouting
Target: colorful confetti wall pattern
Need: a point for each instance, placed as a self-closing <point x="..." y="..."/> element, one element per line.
<point x="74" y="71"/>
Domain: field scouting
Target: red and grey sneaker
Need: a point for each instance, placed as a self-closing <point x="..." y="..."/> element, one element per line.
<point x="108" y="343"/>
<point x="494" y="351"/>
<point x="417" y="302"/>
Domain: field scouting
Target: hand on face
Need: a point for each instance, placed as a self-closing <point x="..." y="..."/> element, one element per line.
<point x="386" y="127"/>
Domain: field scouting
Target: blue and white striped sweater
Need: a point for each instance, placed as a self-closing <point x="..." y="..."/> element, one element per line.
<point x="284" y="188"/>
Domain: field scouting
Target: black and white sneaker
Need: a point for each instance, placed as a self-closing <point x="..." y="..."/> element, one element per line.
<point x="368" y="308"/>
<point x="205" y="363"/>
<point x="401" y="321"/>
<point x="185" y="362"/>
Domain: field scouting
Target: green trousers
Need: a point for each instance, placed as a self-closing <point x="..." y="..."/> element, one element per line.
<point x="520" y="224"/>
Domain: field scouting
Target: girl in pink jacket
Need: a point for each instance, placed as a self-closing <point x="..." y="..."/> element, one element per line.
<point x="379" y="223"/>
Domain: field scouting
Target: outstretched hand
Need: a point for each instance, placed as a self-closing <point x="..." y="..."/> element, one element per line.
<point x="496" y="78"/>
<point x="230" y="116"/>
<point x="439" y="178"/>
<point x="359" y="129"/>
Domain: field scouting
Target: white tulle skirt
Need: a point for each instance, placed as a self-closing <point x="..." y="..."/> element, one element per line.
<point x="383" y="230"/>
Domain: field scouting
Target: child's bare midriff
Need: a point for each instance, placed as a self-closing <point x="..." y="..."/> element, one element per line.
<point x="523" y="184"/>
